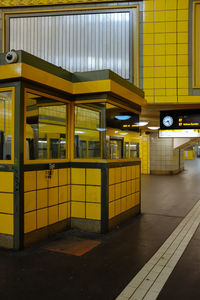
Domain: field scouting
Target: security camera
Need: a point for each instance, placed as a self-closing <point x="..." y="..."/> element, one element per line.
<point x="11" y="57"/>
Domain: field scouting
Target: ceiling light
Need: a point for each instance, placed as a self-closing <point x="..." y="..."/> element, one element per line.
<point x="78" y="132"/>
<point x="116" y="131"/>
<point x="101" y="129"/>
<point x="153" y="127"/>
<point x="123" y="117"/>
<point x="141" y="123"/>
<point x="123" y="133"/>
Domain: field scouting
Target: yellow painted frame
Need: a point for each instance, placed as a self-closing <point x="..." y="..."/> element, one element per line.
<point x="194" y="61"/>
<point x="135" y="37"/>
<point x="11" y="161"/>
<point x="45" y="161"/>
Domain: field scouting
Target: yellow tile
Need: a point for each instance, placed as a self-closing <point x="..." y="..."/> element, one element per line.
<point x="63" y="194"/>
<point x="171" y="60"/>
<point x="29" y="201"/>
<point x="182" y="92"/>
<point x="111" y="211"/>
<point x="171" y="92"/>
<point x="182" y="60"/>
<point x="171" y="27"/>
<point x="160" y="60"/>
<point x="171" y="4"/>
<point x="111" y="176"/>
<point x="182" y="4"/>
<point x="77" y="210"/>
<point x="117" y="190"/>
<point x="30" y="221"/>
<point x="160" y="83"/>
<point x="93" y="194"/>
<point x="160" y="27"/>
<point x="182" y="71"/>
<point x="63" y="180"/>
<point x="77" y="176"/>
<point x="53" y="196"/>
<point x="117" y="207"/>
<point x="148" y="83"/>
<point x="171" y="15"/>
<point x="6" y="224"/>
<point x="42" y="218"/>
<point x="148" y="27"/>
<point x="129" y="187"/>
<point x="53" y="214"/>
<point x="129" y="172"/>
<point x="124" y="175"/>
<point x="149" y="92"/>
<point x="149" y="5"/>
<point x="159" y="38"/>
<point x="171" y="71"/>
<point x="148" y="16"/>
<point x="93" y="211"/>
<point x="137" y="171"/>
<point x="6" y="182"/>
<point x="129" y="202"/>
<point x="148" y="50"/>
<point x="137" y="185"/>
<point x="42" y="196"/>
<point x="29" y="181"/>
<point x="182" y="26"/>
<point x="69" y="175"/>
<point x="63" y="211"/>
<point x="133" y="172"/>
<point x="68" y="209"/>
<point x="123" y="189"/>
<point x="150" y="99"/>
<point x="6" y="203"/>
<point x="78" y="193"/>
<point x="137" y="198"/>
<point x="148" y="61"/>
<point x="159" y="49"/>
<point x="183" y="14"/>
<point x="182" y="83"/>
<point x="170" y="38"/>
<point x="111" y="193"/>
<point x="183" y="37"/>
<point x="148" y="72"/>
<point x="117" y="175"/>
<point x="133" y="188"/>
<point x="160" y="92"/>
<point x="123" y="204"/>
<point x="69" y="193"/>
<point x="171" y="49"/>
<point x="159" y="4"/>
<point x="159" y="16"/>
<point x="168" y="99"/>
<point x="148" y="39"/>
<point x="93" y="176"/>
<point x="53" y="180"/>
<point x="42" y="181"/>
<point x="182" y="48"/>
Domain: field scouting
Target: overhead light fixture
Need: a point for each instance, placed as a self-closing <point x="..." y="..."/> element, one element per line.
<point x="123" y="117"/>
<point x="116" y="131"/>
<point x="123" y="133"/>
<point x="141" y="123"/>
<point x="153" y="127"/>
<point x="101" y="129"/>
<point x="78" y="132"/>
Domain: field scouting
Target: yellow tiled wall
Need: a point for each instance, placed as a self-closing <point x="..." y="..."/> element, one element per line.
<point x="124" y="189"/>
<point x="86" y="193"/>
<point x="165" y="51"/>
<point x="6" y="203"/>
<point x="189" y="154"/>
<point x="144" y="154"/>
<point x="46" y="200"/>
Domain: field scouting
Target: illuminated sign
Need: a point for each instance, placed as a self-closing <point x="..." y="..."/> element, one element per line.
<point x="182" y="133"/>
<point x="180" y="119"/>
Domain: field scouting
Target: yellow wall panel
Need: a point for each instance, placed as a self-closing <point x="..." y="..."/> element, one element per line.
<point x="29" y="201"/>
<point x="118" y="175"/>
<point x="63" y="194"/>
<point x="137" y="198"/>
<point x="117" y="190"/>
<point x="182" y="26"/>
<point x="171" y="49"/>
<point x="160" y="60"/>
<point x="171" y="83"/>
<point x="137" y="185"/>
<point x="42" y="196"/>
<point x="6" y="224"/>
<point x="171" y="60"/>
<point x="77" y="176"/>
<point x="63" y="176"/>
<point x="93" y="194"/>
<point x="159" y="38"/>
<point x="123" y="204"/>
<point x="93" y="176"/>
<point x="111" y="175"/>
<point x="182" y="71"/>
<point x="129" y="202"/>
<point x="42" y="181"/>
<point x="148" y="28"/>
<point x="137" y="171"/>
<point x="133" y="182"/>
<point x="159" y="16"/>
<point x="111" y="211"/>
<point x="183" y="15"/>
<point x="42" y="218"/>
<point x="30" y="181"/>
<point x="160" y="83"/>
<point x="53" y="214"/>
<point x="160" y="49"/>
<point x="148" y="61"/>
<point x="6" y="182"/>
<point x="117" y="207"/>
<point x="171" y="27"/>
<point x="171" y="71"/>
<point x="171" y="15"/>
<point x="148" y="50"/>
<point x="148" y="39"/>
<point x="53" y="196"/>
<point x="133" y="172"/>
<point x="129" y="187"/>
<point x="182" y="37"/>
<point x="30" y="221"/>
<point x="182" y="83"/>
<point x="77" y="210"/>
<point x="53" y="180"/>
<point x="182" y="48"/>
<point x="63" y="211"/>
<point x="129" y="172"/>
<point x="123" y="189"/>
<point x="93" y="211"/>
<point x="123" y="172"/>
<point x="159" y="4"/>
<point x="159" y="27"/>
<point x="171" y="38"/>
<point x="148" y="16"/>
<point x="78" y="193"/>
<point x="148" y="72"/>
<point x="6" y="203"/>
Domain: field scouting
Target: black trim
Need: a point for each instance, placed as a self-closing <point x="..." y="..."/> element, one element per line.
<point x="104" y="200"/>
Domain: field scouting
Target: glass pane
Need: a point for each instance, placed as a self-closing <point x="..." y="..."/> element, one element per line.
<point x="89" y="130"/>
<point x="5" y="125"/>
<point x="46" y="121"/>
<point x="134" y="150"/>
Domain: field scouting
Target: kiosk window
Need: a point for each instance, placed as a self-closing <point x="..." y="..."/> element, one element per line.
<point x="5" y="125"/>
<point x="46" y="125"/>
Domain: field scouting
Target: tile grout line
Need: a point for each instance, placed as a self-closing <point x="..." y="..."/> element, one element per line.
<point x="137" y="284"/>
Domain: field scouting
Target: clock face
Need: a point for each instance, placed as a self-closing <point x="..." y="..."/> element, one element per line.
<point x="168" y="121"/>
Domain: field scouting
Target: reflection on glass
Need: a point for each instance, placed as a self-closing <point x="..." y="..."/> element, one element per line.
<point x="89" y="130"/>
<point x="45" y="127"/>
<point x="126" y="150"/>
<point x="134" y="150"/>
<point x="116" y="148"/>
<point x="5" y="125"/>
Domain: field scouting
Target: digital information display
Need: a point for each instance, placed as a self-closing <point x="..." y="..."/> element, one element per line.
<point x="181" y="133"/>
<point x="180" y="119"/>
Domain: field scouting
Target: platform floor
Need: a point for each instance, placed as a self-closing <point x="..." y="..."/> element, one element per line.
<point x="76" y="265"/>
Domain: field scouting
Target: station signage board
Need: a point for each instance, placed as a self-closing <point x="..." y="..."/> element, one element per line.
<point x="180" y="119"/>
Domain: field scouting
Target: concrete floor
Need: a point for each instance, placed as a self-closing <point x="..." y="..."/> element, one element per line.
<point x="102" y="273"/>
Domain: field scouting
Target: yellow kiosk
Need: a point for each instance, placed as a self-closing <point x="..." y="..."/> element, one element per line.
<point x="68" y="150"/>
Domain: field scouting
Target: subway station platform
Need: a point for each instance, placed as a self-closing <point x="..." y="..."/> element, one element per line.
<point x="76" y="265"/>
